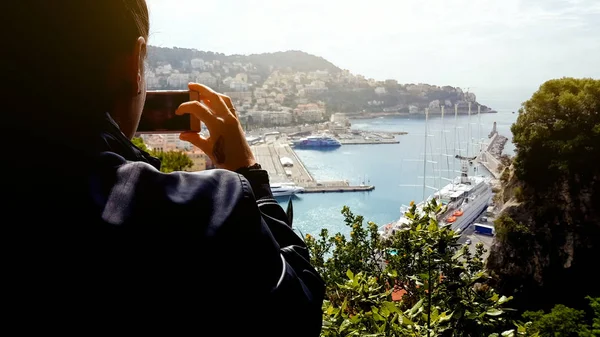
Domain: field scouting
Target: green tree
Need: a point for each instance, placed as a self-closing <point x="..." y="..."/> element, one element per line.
<point x="564" y="321"/>
<point x="139" y="142"/>
<point x="171" y="161"/>
<point x="558" y="133"/>
<point x="443" y="285"/>
<point x="595" y="306"/>
<point x="556" y="175"/>
<point x="561" y="321"/>
<point x="507" y="229"/>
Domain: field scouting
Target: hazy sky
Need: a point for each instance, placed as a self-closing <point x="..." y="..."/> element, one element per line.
<point x="482" y="44"/>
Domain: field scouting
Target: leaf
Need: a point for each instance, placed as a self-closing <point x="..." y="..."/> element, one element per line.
<point x="445" y="317"/>
<point x="344" y="305"/>
<point x="414" y="309"/>
<point x="330" y="310"/>
<point x="378" y="317"/>
<point x="355" y="319"/>
<point x="504" y="299"/>
<point x="350" y="274"/>
<point x="390" y="307"/>
<point x="433" y="226"/>
<point x="407" y="321"/>
<point x="458" y="254"/>
<point x="494" y="312"/>
<point x="345" y="325"/>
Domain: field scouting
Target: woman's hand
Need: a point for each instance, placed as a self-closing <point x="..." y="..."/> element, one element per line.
<point x="226" y="146"/>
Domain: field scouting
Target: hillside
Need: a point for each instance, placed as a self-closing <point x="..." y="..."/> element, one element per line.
<point x="276" y="81"/>
<point x="292" y="60"/>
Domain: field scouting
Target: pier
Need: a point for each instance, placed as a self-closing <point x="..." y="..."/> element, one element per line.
<point x="489" y="160"/>
<point x="272" y="156"/>
<point x="368" y="137"/>
<point x="367" y="141"/>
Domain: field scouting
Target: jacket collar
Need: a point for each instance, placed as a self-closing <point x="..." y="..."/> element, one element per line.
<point x="112" y="139"/>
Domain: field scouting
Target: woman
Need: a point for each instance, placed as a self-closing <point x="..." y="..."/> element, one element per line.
<point x="97" y="233"/>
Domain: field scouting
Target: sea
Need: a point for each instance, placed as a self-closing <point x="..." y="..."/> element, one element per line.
<point x="397" y="171"/>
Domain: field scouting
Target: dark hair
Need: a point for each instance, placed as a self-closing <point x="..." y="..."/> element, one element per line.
<point x="63" y="49"/>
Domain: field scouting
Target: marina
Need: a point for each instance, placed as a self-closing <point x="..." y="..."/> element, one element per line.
<point x="465" y="198"/>
<point x="395" y="170"/>
<point x="284" y="166"/>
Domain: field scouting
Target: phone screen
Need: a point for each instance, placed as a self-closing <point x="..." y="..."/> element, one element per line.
<point x="159" y="115"/>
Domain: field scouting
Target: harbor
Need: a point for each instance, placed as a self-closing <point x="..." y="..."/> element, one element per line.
<point x="392" y="169"/>
<point x="274" y="149"/>
<point x="284" y="166"/>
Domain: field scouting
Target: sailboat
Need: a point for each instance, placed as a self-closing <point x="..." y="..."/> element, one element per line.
<point x="462" y="200"/>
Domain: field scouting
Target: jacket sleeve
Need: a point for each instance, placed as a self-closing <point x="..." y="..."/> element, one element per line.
<point x="298" y="275"/>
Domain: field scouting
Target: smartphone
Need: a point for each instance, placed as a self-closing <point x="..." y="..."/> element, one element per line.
<point x="159" y="115"/>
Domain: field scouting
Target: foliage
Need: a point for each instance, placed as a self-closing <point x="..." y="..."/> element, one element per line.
<point x="564" y="321"/>
<point x="505" y="176"/>
<point x="171" y="161"/>
<point x="518" y="192"/>
<point x="558" y="132"/>
<point x="509" y="229"/>
<point x="553" y="235"/>
<point x="139" y="143"/>
<point x="595" y="306"/>
<point x="444" y="285"/>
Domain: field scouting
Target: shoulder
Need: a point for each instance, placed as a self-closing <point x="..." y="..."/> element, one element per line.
<point x="130" y="190"/>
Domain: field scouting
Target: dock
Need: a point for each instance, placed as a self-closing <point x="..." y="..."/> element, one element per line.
<point x="270" y="155"/>
<point x="338" y="189"/>
<point x="367" y="142"/>
<point x="369" y="137"/>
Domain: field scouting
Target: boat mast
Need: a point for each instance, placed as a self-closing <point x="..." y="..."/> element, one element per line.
<point x="441" y="149"/>
<point x="479" y="132"/>
<point x="469" y="131"/>
<point x="455" y="134"/>
<point x="425" y="154"/>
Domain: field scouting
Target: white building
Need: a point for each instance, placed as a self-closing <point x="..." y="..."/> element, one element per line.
<point x="271" y="117"/>
<point x="380" y="90"/>
<point x="197" y="63"/>
<point x="178" y="80"/>
<point x="206" y="79"/>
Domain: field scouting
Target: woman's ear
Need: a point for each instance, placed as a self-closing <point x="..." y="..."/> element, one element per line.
<point x="138" y="58"/>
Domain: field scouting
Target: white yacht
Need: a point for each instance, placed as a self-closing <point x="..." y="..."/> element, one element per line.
<point x="462" y="200"/>
<point x="285" y="189"/>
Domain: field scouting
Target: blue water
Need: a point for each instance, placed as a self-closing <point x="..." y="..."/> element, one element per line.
<point x="389" y="167"/>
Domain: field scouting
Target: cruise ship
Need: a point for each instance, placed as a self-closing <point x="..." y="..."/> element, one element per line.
<point x="285" y="189"/>
<point x="316" y="141"/>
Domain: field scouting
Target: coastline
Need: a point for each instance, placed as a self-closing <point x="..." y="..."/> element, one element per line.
<point x="371" y="115"/>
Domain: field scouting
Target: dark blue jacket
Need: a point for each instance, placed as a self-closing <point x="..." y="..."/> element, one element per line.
<point x="99" y="238"/>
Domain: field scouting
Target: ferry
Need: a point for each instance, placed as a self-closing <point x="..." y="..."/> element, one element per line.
<point x="316" y="141"/>
<point x="285" y="189"/>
